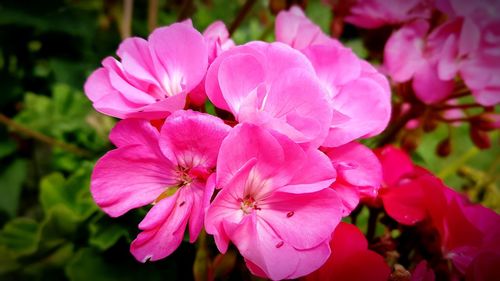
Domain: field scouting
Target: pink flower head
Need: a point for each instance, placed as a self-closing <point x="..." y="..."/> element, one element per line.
<point x="275" y="205"/>
<point x="350" y="250"/>
<point x="377" y="13"/>
<point x="406" y="57"/>
<point x="296" y="30"/>
<point x="218" y="39"/>
<point x="353" y="85"/>
<point x="359" y="173"/>
<point x="360" y="95"/>
<point x="169" y="169"/>
<point x="154" y="76"/>
<point x="273" y="86"/>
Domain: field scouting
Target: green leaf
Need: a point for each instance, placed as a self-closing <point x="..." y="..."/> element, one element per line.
<point x="7" y="147"/>
<point x="21" y="236"/>
<point x="72" y="193"/>
<point x="11" y="181"/>
<point x="104" y="234"/>
<point x="8" y="261"/>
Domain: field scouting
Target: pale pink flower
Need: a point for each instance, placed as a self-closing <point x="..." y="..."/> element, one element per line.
<point x="273" y="86"/>
<point x="359" y="174"/>
<point x="350" y="250"/>
<point x="275" y="205"/>
<point x="432" y="70"/>
<point x="359" y="94"/>
<point x="295" y="29"/>
<point x="168" y="169"/>
<point x="377" y="13"/>
<point x="154" y="76"/>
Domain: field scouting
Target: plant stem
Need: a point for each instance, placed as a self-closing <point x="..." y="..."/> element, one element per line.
<point x="397" y="124"/>
<point x="126" y="28"/>
<point x="185" y="10"/>
<point x="241" y="15"/>
<point x="41" y="137"/>
<point x="372" y="223"/>
<point x="152" y="14"/>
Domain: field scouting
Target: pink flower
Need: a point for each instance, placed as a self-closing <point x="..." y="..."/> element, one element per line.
<point x="359" y="173"/>
<point x="168" y="169"/>
<point x="377" y="13"/>
<point x="360" y="95"/>
<point x="273" y="86"/>
<point x="353" y="85"/>
<point x="218" y="39"/>
<point x="351" y="259"/>
<point x="432" y="70"/>
<point x="154" y="76"/>
<point x="296" y="30"/>
<point x="275" y="205"/>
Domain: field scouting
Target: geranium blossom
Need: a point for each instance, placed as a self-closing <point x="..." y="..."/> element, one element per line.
<point x="352" y="84"/>
<point x="168" y="169"/>
<point x="275" y="204"/>
<point x="154" y="77"/>
<point x="252" y="80"/>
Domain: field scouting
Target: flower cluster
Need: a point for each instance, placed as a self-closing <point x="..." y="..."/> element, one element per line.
<point x="438" y="51"/>
<point x="273" y="173"/>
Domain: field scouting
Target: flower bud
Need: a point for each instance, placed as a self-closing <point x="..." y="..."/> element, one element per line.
<point x="480" y="138"/>
<point x="443" y="148"/>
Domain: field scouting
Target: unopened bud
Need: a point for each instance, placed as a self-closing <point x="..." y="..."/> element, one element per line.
<point x="487" y="121"/>
<point x="480" y="138"/>
<point x="443" y="148"/>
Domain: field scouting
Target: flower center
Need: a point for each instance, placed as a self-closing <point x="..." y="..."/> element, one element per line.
<point x="248" y="204"/>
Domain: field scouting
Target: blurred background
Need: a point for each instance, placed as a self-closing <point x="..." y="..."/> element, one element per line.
<point x="50" y="136"/>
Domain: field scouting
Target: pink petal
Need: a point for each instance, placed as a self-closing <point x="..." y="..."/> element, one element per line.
<point x="130" y="177"/>
<point x="295" y="29"/>
<point x="302" y="220"/>
<point x="307" y="101"/>
<point x="98" y="85"/>
<point x="179" y="55"/>
<point x="428" y="87"/>
<point x="403" y="51"/>
<point x="158" y="242"/>
<point x="114" y="104"/>
<point x="367" y="104"/>
<point x="134" y="131"/>
<point x="192" y="139"/>
<point x="334" y="65"/>
<point x="348" y="194"/>
<point x="236" y="85"/>
<point x="246" y="142"/>
<point x="357" y="165"/>
<point x="317" y="173"/>
<point x="136" y="60"/>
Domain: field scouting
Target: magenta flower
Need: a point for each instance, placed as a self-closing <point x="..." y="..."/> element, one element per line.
<point x="359" y="94"/>
<point x="273" y="86"/>
<point x="350" y="250"/>
<point x="218" y="39"/>
<point x="154" y="76"/>
<point x="275" y="205"/>
<point x="168" y="169"/>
